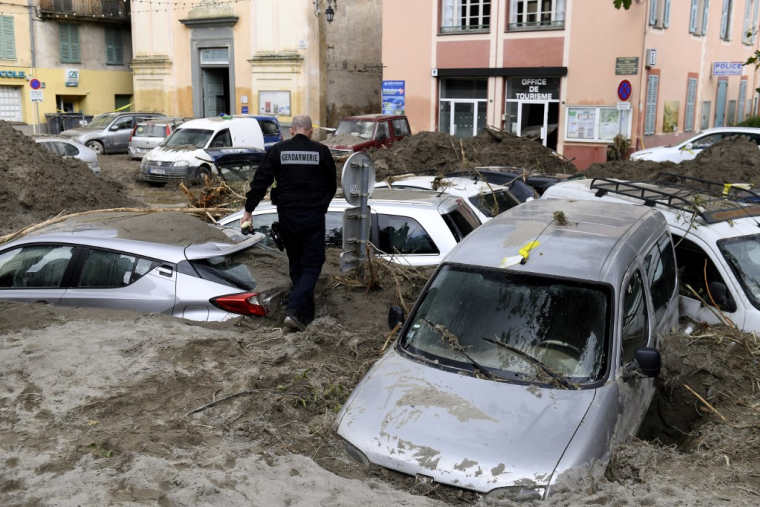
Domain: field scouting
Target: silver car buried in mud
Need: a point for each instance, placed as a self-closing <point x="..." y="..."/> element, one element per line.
<point x="517" y="364"/>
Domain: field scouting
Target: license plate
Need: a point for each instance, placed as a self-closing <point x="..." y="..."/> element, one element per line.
<point x="154" y="170"/>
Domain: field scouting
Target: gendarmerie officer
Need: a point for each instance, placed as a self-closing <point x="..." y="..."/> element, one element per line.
<point x="305" y="173"/>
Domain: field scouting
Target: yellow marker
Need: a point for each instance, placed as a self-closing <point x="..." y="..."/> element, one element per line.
<point x="727" y="187"/>
<point x="524" y="253"/>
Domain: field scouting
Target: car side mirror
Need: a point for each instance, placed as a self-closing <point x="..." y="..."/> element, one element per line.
<point x="688" y="146"/>
<point x="722" y="298"/>
<point x="114" y="128"/>
<point x="396" y="317"/>
<point x="646" y="363"/>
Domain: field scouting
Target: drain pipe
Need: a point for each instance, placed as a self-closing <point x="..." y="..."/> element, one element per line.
<point x="36" y="126"/>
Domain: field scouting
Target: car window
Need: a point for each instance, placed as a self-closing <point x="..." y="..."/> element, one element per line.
<point x="269" y="127"/>
<point x="400" y="127"/>
<point x="51" y="146"/>
<point x="635" y="330"/>
<point x="263" y="223"/>
<point x="126" y="122"/>
<point x="492" y="204"/>
<point x="222" y="139"/>
<point x="334" y="229"/>
<point x="461" y="222"/>
<point x="150" y="130"/>
<point x="35" y="266"/>
<point x="107" y="269"/>
<point x="363" y="129"/>
<point x="405" y="235"/>
<point x="705" y="142"/>
<point x="225" y="271"/>
<point x="660" y="265"/>
<point x="142" y="268"/>
<point x="695" y="266"/>
<point x="382" y="131"/>
<point x="67" y="150"/>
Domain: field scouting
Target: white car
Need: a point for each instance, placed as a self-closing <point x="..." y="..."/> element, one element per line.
<point x="688" y="150"/>
<point x="67" y="148"/>
<point x="484" y="199"/>
<point x="411" y="228"/>
<point x="181" y="155"/>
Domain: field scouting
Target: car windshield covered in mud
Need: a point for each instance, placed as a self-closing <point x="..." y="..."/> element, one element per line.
<point x="513" y="326"/>
<point x="359" y="128"/>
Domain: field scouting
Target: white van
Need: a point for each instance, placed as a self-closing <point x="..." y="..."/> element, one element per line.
<point x="717" y="248"/>
<point x="181" y="155"/>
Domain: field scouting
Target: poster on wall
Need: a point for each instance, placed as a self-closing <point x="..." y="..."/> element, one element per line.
<point x="670" y="118"/>
<point x="394" y="98"/>
<point x="276" y="103"/>
<point x="581" y="123"/>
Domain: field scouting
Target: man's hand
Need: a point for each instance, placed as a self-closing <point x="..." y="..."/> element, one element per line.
<point x="246" y="226"/>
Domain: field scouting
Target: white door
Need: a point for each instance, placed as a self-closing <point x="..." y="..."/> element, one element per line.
<point x="10" y="103"/>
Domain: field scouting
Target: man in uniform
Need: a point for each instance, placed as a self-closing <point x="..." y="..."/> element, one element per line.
<point x="305" y="176"/>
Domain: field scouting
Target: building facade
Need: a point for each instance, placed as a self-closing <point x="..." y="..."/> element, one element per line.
<point x="573" y="74"/>
<point x="78" y="51"/>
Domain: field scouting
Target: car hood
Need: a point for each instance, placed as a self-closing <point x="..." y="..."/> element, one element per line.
<point x="463" y="431"/>
<point x="344" y="141"/>
<point x="185" y="152"/>
<point x="79" y="131"/>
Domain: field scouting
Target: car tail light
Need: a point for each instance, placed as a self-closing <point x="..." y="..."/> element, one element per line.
<point x="244" y="303"/>
<point x="168" y="130"/>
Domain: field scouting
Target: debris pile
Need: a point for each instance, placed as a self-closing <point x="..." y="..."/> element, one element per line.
<point x="441" y="153"/>
<point x="732" y="160"/>
<point x="36" y="185"/>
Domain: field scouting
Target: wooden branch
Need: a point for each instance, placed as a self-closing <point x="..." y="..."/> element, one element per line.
<point x="705" y="402"/>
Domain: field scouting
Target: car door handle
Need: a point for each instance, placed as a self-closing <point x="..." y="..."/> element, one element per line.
<point x="165" y="271"/>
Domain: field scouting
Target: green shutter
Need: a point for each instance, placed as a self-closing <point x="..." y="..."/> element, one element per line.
<point x="7" y="38"/>
<point x="63" y="42"/>
<point x="74" y="40"/>
<point x="109" y="46"/>
<point x="114" y="50"/>
<point x="69" y="42"/>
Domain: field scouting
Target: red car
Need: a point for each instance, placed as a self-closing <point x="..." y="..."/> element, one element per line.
<point x="360" y="133"/>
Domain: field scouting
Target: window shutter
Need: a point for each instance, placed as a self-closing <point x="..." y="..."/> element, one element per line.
<point x="63" y="39"/>
<point x="691" y="102"/>
<point x="693" y="16"/>
<point x="651" y="110"/>
<point x="753" y="23"/>
<point x="705" y="16"/>
<point x="724" y="20"/>
<point x="742" y="99"/>
<point x="74" y="43"/>
<point x="666" y="15"/>
<point x="118" y="50"/>
<point x="746" y="25"/>
<point x="7" y="38"/>
<point x="653" y="12"/>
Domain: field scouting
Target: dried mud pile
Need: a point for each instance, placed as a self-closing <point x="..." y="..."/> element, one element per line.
<point x="441" y="153"/>
<point x="36" y="185"/>
<point x="731" y="160"/>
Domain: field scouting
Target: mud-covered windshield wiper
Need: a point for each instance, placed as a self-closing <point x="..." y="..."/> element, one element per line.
<point x="549" y="371"/>
<point x="452" y="342"/>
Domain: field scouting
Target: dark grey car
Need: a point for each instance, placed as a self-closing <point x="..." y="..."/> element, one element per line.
<point x="109" y="132"/>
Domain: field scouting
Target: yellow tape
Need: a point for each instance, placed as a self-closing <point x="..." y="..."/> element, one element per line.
<point x="727" y="187"/>
<point x="122" y="108"/>
<point x="525" y="251"/>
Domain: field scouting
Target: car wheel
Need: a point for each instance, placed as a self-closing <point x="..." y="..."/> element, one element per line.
<point x="203" y="173"/>
<point x="95" y="146"/>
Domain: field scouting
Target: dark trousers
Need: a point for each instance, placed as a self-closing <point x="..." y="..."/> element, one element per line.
<point x="303" y="231"/>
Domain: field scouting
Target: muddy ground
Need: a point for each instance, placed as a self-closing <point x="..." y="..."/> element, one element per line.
<point x="103" y="407"/>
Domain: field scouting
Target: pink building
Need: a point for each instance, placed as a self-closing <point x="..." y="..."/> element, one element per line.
<point x="573" y="73"/>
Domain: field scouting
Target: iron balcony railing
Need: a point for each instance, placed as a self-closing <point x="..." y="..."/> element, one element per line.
<point x="547" y="24"/>
<point x="465" y="28"/>
<point x="104" y="10"/>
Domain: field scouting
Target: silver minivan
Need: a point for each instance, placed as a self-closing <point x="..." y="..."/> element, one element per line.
<point x="531" y="351"/>
<point x="109" y="132"/>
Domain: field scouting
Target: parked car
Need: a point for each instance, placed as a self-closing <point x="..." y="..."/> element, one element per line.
<point x="508" y="176"/>
<point x="360" y="133"/>
<point x="717" y="248"/>
<point x="236" y="164"/>
<point x="182" y="156"/>
<point x="84" y="265"/>
<point x="67" y="148"/>
<point x="485" y="200"/>
<point x="689" y="150"/>
<point x="109" y="132"/>
<point x="270" y="126"/>
<point x="507" y="373"/>
<point x="150" y="133"/>
<point x="416" y="229"/>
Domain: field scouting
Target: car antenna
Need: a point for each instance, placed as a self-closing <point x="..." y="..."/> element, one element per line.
<point x="524" y="252"/>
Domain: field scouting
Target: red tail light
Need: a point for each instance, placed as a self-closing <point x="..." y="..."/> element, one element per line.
<point x="245" y="303"/>
<point x="133" y="132"/>
<point x="168" y="131"/>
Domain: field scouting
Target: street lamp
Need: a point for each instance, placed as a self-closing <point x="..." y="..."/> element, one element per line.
<point x="329" y="12"/>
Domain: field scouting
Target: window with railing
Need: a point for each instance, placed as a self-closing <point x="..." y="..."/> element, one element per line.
<point x="537" y="14"/>
<point x="461" y="16"/>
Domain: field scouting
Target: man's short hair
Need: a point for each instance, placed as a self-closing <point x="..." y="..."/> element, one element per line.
<point x="301" y="122"/>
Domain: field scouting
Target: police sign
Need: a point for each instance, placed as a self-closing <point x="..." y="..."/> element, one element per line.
<point x="727" y="68"/>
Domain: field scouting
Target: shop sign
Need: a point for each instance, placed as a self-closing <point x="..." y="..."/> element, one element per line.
<point x="13" y="74"/>
<point x="72" y="77"/>
<point x="215" y="56"/>
<point x="626" y="65"/>
<point x="528" y="88"/>
<point x="727" y="68"/>
<point x="394" y="97"/>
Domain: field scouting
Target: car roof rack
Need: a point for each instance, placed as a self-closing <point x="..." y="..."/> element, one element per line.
<point x="712" y="201"/>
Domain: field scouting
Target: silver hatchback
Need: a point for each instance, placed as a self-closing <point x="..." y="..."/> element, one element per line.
<point x="531" y="351"/>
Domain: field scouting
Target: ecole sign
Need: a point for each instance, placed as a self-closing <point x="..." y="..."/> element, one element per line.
<point x="13" y="74"/>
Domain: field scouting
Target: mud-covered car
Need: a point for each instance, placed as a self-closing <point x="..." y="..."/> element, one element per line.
<point x="150" y="133"/>
<point x="83" y="264"/>
<point x="109" y="132"/>
<point x="67" y="148"/>
<point x="531" y="351"/>
<point x="360" y="133"/>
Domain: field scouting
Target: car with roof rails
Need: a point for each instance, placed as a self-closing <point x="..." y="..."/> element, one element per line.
<point x="689" y="149"/>
<point x="89" y="263"/>
<point x="150" y="133"/>
<point x="531" y="351"/>
<point x="67" y="148"/>
<point x="109" y="132"/>
<point x="716" y="231"/>
<point x="360" y="133"/>
<point x="411" y="228"/>
<point x="182" y="155"/>
<point x="484" y="199"/>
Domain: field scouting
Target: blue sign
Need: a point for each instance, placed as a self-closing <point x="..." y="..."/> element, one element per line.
<point x="244" y="110"/>
<point x="35" y="84"/>
<point x="727" y="68"/>
<point x="624" y="90"/>
<point x="394" y="99"/>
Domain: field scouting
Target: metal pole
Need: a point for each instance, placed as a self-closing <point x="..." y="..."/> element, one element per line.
<point x="363" y="239"/>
